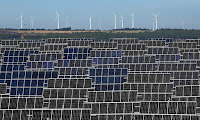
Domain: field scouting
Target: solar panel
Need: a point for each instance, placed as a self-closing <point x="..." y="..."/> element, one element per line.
<point x="80" y="79"/>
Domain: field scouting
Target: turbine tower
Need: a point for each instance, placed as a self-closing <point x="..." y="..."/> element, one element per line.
<point x="66" y="20"/>
<point x="21" y="18"/>
<point x="156" y="20"/>
<point x="99" y="24"/>
<point x="122" y="22"/>
<point x="153" y="24"/>
<point x="132" y="15"/>
<point x="90" y="23"/>
<point x="31" y="22"/>
<point x="182" y="25"/>
<point x="58" y="26"/>
<point x="115" y="21"/>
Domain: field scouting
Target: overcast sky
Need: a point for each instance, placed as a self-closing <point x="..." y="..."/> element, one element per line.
<point x="171" y="13"/>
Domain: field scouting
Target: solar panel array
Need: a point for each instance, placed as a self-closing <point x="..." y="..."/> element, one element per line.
<point x="80" y="79"/>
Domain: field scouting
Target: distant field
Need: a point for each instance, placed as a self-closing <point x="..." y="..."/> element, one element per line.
<point x="84" y="31"/>
<point x="100" y="35"/>
<point x="47" y="31"/>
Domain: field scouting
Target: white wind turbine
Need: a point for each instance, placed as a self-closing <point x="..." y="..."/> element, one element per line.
<point x="99" y="25"/>
<point x="182" y="25"/>
<point x="115" y="20"/>
<point x="21" y="18"/>
<point x="122" y="20"/>
<point x="90" y="23"/>
<point x="132" y="15"/>
<point x="58" y="26"/>
<point x="156" y="19"/>
<point x="31" y="22"/>
<point x="66" y="22"/>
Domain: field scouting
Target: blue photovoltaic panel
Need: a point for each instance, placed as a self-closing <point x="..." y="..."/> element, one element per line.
<point x="108" y="79"/>
<point x="19" y="53"/>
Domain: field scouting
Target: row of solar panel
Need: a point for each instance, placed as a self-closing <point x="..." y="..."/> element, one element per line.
<point x="15" y="59"/>
<point x="165" y="39"/>
<point x="107" y="72"/>
<point x="186" y="75"/>
<point x="29" y="74"/>
<point x="137" y="46"/>
<point x="53" y="47"/>
<point x="124" y="40"/>
<point x="168" y="57"/>
<point x="76" y="56"/>
<point x="112" y="96"/>
<point x="67" y="103"/>
<point x="155" y="97"/>
<point x="75" y="63"/>
<point x="20" y="103"/>
<point x="134" y="53"/>
<point x="139" y="67"/>
<point x="185" y="82"/>
<point x="72" y="71"/>
<point x="144" y="117"/>
<point x="148" y="78"/>
<point x="154" y="88"/>
<point x="105" y="60"/>
<point x="106" y="80"/>
<point x="30" y="44"/>
<point x="138" y="59"/>
<point x="11" y="42"/>
<point x="26" y="91"/>
<point x="112" y="108"/>
<point x="40" y="64"/>
<point x="187" y="90"/>
<point x="103" y="45"/>
<point x="65" y="93"/>
<point x="65" y="40"/>
<point x="24" y="83"/>
<point x="9" y="67"/>
<point x="177" y="67"/>
<point x="106" y="53"/>
<point x="191" y="55"/>
<point x="163" y="50"/>
<point x="79" y="42"/>
<point x="154" y="42"/>
<point x="45" y="114"/>
<point x="77" y="50"/>
<point x="168" y="107"/>
<point x="45" y="57"/>
<point x="19" y="53"/>
<point x="183" y="44"/>
<point x="109" y="87"/>
<point x="69" y="83"/>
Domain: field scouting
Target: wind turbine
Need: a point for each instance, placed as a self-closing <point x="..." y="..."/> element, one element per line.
<point x="31" y="22"/>
<point x="115" y="20"/>
<point x="58" y="26"/>
<point x="182" y="25"/>
<point x="90" y="23"/>
<point x="122" y="19"/>
<point x="132" y="15"/>
<point x="156" y="19"/>
<point x="163" y="23"/>
<point x="99" y="24"/>
<point x="66" y="20"/>
<point x="21" y="18"/>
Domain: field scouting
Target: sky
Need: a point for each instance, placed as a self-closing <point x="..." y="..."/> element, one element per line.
<point x="172" y="13"/>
